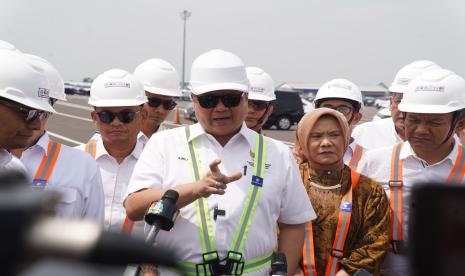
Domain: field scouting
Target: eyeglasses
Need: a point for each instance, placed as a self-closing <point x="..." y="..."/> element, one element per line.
<point x="125" y="116"/>
<point x="229" y="100"/>
<point x="345" y="110"/>
<point x="28" y="114"/>
<point x="258" y="105"/>
<point x="167" y="104"/>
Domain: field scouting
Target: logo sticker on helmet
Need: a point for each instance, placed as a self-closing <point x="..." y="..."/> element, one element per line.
<point x="43" y="92"/>
<point x="431" y="88"/>
<point x="117" y="84"/>
<point x="403" y="81"/>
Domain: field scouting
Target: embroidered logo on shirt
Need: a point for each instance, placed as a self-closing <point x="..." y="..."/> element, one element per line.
<point x="39" y="183"/>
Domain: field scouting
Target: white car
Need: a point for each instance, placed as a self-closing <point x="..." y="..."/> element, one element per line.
<point x="382" y="103"/>
<point x="308" y="106"/>
<point x="382" y="114"/>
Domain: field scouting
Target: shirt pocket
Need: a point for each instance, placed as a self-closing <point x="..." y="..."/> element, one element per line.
<point x="68" y="204"/>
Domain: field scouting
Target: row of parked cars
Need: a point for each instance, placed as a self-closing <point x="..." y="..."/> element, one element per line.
<point x="79" y="88"/>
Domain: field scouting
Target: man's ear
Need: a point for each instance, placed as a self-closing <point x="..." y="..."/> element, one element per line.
<point x="94" y="116"/>
<point x="357" y="117"/>
<point x="144" y="114"/>
<point x="270" y="110"/>
<point x="460" y="125"/>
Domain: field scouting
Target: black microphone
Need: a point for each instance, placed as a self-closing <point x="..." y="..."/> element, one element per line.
<point x="163" y="213"/>
<point x="278" y="264"/>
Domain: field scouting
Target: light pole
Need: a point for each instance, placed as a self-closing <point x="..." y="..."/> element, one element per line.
<point x="185" y="14"/>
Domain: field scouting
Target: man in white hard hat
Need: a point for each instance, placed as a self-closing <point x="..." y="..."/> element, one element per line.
<point x="53" y="166"/>
<point x="389" y="131"/>
<point x="261" y="97"/>
<point x="344" y="96"/>
<point x="117" y="97"/>
<point x="433" y="108"/>
<point x="238" y="183"/>
<point x="161" y="84"/>
<point x="24" y="94"/>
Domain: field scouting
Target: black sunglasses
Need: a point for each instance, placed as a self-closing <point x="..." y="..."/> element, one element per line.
<point x="29" y="115"/>
<point x="345" y="110"/>
<point x="229" y="100"/>
<point x="167" y="104"/>
<point x="258" y="105"/>
<point x="124" y="117"/>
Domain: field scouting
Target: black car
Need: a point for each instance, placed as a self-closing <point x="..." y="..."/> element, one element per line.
<point x="287" y="110"/>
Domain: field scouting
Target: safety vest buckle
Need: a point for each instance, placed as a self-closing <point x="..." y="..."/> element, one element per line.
<point x="336" y="253"/>
<point x="398" y="247"/>
<point x="395" y="183"/>
<point x="234" y="265"/>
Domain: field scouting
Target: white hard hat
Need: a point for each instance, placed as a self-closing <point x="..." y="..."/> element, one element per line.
<point x="57" y="87"/>
<point x="409" y="72"/>
<point x="23" y="82"/>
<point x="4" y="45"/>
<point x="261" y="85"/>
<point x="339" y="89"/>
<point x="116" y="87"/>
<point x="436" y="92"/>
<point x="158" y="77"/>
<point x="218" y="70"/>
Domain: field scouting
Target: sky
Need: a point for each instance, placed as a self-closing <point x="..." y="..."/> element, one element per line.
<point x="304" y="41"/>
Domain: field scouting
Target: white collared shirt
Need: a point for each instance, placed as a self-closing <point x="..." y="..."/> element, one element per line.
<point x="9" y="162"/>
<point x="75" y="176"/>
<point x="415" y="171"/>
<point x="350" y="152"/>
<point x="164" y="164"/>
<point x="141" y="137"/>
<point x="115" y="179"/>
<point x="376" y="134"/>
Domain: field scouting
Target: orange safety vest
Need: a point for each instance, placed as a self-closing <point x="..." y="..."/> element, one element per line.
<point x="356" y="157"/>
<point x="46" y="165"/>
<point x="342" y="229"/>
<point x="128" y="224"/>
<point x="396" y="183"/>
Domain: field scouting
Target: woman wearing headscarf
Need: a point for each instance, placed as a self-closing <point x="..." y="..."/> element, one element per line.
<point x="351" y="231"/>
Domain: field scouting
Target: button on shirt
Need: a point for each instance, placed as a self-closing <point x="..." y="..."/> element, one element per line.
<point x="164" y="164"/>
<point x="75" y="176"/>
<point x="377" y="165"/>
<point x="376" y="134"/>
<point x="115" y="179"/>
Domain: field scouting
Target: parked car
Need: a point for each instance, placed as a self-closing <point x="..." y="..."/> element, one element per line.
<point x="382" y="114"/>
<point x="287" y="110"/>
<point x="308" y="106"/>
<point x="368" y="101"/>
<point x="189" y="113"/>
<point x="382" y="103"/>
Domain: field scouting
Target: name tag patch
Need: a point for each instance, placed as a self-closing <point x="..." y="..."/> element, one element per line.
<point x="257" y="181"/>
<point x="345" y="206"/>
<point x="39" y="183"/>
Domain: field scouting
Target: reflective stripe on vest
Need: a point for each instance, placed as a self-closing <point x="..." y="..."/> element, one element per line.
<point x="395" y="187"/>
<point x="342" y="229"/>
<point x="356" y="156"/>
<point x="396" y="183"/>
<point x="46" y="165"/>
<point x="128" y="225"/>
<point x="203" y="217"/>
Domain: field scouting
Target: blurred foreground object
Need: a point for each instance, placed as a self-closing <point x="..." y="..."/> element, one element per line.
<point x="31" y="237"/>
<point x="438" y="229"/>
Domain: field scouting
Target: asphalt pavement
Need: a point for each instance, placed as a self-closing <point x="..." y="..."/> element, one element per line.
<point x="72" y="124"/>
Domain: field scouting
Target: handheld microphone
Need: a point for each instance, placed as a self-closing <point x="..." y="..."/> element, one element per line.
<point x="163" y="213"/>
<point x="278" y="264"/>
